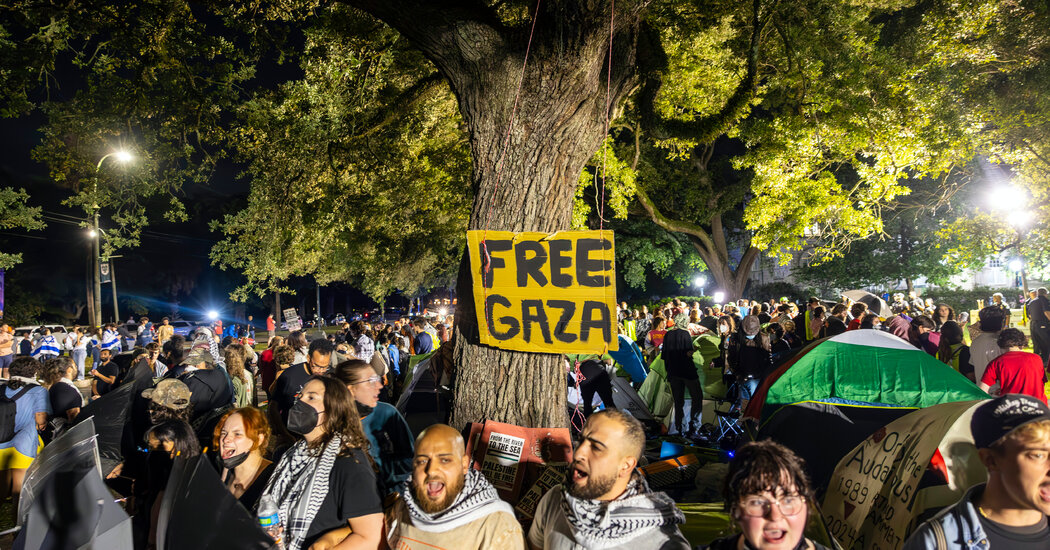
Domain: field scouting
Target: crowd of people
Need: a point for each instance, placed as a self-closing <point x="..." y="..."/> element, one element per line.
<point x="304" y="435"/>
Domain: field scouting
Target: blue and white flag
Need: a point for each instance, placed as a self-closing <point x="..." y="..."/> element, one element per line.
<point x="111" y="341"/>
<point x="46" y="347"/>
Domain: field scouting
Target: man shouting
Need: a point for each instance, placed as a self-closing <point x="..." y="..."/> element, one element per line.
<point x="448" y="505"/>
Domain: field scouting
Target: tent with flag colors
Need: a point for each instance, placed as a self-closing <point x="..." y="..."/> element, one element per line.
<point x="837" y="391"/>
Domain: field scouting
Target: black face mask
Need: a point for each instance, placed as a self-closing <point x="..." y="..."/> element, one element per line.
<point x="363" y="410"/>
<point x="302" y="418"/>
<point x="234" y="461"/>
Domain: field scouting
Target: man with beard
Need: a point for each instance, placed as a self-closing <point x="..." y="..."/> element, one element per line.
<point x="1012" y="436"/>
<point x="604" y="503"/>
<point x="447" y="504"/>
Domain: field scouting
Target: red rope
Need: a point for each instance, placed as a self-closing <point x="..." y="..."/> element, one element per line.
<point x="577" y="419"/>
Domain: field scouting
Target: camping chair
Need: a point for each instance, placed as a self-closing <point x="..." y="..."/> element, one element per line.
<point x="729" y="430"/>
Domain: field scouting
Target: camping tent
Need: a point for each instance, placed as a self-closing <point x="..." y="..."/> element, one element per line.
<point x="624" y="398"/>
<point x="839" y="390"/>
<point x="903" y="473"/>
<point x="656" y="393"/>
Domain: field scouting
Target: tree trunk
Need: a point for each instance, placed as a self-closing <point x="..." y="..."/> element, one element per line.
<point x="559" y="121"/>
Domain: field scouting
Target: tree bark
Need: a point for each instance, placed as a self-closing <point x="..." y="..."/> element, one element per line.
<point x="559" y="122"/>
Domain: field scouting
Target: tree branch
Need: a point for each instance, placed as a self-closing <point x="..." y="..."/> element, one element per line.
<point x="677" y="226"/>
<point x="416" y="93"/>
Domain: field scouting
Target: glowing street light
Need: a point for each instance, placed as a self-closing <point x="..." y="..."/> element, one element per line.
<point x="213" y="315"/>
<point x="719" y="297"/>
<point x="699" y="282"/>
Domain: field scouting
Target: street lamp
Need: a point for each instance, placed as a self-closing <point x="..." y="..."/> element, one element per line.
<point x="699" y="282"/>
<point x="122" y="157"/>
<point x="719" y="296"/>
<point x="1013" y="202"/>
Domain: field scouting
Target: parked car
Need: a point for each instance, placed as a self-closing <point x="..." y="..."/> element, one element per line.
<point x="183" y="328"/>
<point x="337" y="319"/>
<point x="58" y="331"/>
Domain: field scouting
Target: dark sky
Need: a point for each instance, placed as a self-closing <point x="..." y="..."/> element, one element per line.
<point x="55" y="259"/>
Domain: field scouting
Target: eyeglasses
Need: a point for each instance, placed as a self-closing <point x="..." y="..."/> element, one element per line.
<point x="373" y="380"/>
<point x="789" y="505"/>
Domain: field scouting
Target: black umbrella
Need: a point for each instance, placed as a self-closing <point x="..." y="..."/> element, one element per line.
<point x="110" y="414"/>
<point x="199" y="512"/>
<point x="65" y="504"/>
<point x="876" y="305"/>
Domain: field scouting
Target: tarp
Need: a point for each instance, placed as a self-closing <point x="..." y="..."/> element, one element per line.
<point x="862" y="366"/>
<point x="629" y="356"/>
<point x="422" y="402"/>
<point x="875" y="304"/>
<point x="920" y="462"/>
<point x="199" y="512"/>
<point x="624" y="397"/>
<point x="110" y="414"/>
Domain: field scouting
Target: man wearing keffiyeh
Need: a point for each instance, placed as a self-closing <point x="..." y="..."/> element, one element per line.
<point x="604" y="504"/>
<point x="446" y="504"/>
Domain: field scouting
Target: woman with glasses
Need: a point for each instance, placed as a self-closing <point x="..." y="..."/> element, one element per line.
<point x="767" y="493"/>
<point x="390" y="440"/>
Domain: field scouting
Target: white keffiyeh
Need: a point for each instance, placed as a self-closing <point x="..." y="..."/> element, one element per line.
<point x="599" y="524"/>
<point x="478" y="498"/>
<point x="299" y="486"/>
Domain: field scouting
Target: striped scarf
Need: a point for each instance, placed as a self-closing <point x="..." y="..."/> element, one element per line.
<point x="299" y="486"/>
<point x="46" y="347"/>
<point x="477" y="498"/>
<point x="598" y="524"/>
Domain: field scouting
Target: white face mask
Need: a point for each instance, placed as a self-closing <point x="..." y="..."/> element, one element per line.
<point x="723" y="329"/>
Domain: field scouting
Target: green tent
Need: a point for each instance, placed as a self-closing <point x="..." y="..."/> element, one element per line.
<point x="657" y="393"/>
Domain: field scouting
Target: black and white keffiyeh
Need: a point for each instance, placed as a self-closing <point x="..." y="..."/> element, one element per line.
<point x="478" y="498"/>
<point x="299" y="486"/>
<point x="598" y="524"/>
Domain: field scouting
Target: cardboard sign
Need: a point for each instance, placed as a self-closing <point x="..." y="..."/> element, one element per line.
<point x="291" y="318"/>
<point x="873" y="495"/>
<point x="547" y="293"/>
<point x="512" y="457"/>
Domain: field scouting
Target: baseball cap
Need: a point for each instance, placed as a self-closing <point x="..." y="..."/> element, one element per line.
<point x="751" y="325"/>
<point x="170" y="392"/>
<point x="197" y="356"/>
<point x="995" y="419"/>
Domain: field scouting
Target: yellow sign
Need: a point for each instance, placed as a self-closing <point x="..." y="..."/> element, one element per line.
<point x="545" y="293"/>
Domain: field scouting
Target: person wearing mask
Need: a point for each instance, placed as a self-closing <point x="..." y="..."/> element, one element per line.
<point x="682" y="375"/>
<point x="726" y="327"/>
<point x="105" y="374"/>
<point x="63" y="394"/>
<point x="953" y="351"/>
<point x="605" y="503"/>
<point x="448" y="504"/>
<point x="767" y="494"/>
<point x="324" y="485"/>
<point x="423" y="341"/>
<point x="165" y="331"/>
<point x="1009" y="511"/>
<point x="389" y="437"/>
<point x="1015" y="371"/>
<point x="209" y="387"/>
<point x="985" y="346"/>
<point x="871" y="320"/>
<point x="46" y="347"/>
<point x="750" y="355"/>
<point x="241" y="438"/>
<point x="291" y="380"/>
<point x="32" y="407"/>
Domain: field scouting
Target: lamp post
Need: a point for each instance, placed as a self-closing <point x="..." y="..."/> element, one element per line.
<point x="122" y="157"/>
<point x="699" y="282"/>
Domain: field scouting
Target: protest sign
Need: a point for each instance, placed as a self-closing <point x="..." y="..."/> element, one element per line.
<point x="874" y="495"/>
<point x="291" y="318"/>
<point x="539" y="292"/>
<point x="512" y="457"/>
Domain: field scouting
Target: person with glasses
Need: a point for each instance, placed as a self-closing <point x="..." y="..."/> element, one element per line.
<point x="767" y="494"/>
<point x="389" y="437"/>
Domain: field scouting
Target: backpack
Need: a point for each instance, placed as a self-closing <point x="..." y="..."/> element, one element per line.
<point x="8" y="410"/>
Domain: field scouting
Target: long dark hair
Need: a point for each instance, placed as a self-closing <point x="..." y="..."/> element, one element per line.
<point x="340" y="417"/>
<point x="55" y="369"/>
<point x="181" y="434"/>
<point x="24" y="366"/>
<point x="951" y="333"/>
